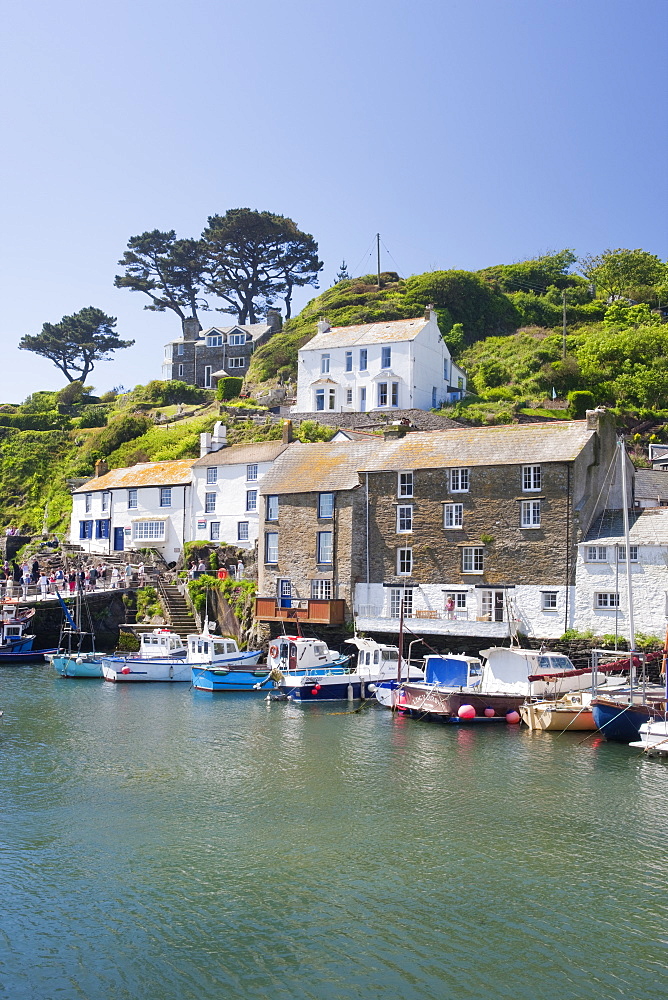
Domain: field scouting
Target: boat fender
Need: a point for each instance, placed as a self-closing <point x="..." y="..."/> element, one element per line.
<point x="316" y="688"/>
<point x="126" y="670"/>
<point x="171" y="672"/>
<point x="512" y="718"/>
<point x="273" y="651"/>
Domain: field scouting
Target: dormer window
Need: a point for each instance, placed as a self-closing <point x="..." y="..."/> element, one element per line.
<point x="236" y="339"/>
<point x="214" y="340"/>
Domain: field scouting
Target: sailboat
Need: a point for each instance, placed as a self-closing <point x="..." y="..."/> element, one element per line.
<point x="620" y="716"/>
<point x="70" y="660"/>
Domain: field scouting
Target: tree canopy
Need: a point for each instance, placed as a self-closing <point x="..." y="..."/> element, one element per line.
<point x="254" y="256"/>
<point x="77" y="342"/>
<point x="169" y="271"/>
<point x="244" y="258"/>
<point x="619" y="273"/>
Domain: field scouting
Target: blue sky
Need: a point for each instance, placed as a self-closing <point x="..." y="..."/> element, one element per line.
<point x="468" y="132"/>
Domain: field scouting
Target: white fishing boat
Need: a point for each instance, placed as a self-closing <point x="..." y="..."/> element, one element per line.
<point x="653" y="737"/>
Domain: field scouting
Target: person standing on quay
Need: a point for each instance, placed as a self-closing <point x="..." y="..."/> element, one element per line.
<point x="43" y="583"/>
<point x="115" y="577"/>
<point x="128" y="575"/>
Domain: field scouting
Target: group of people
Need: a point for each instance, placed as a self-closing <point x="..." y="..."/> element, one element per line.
<point x="197" y="568"/>
<point x="21" y="578"/>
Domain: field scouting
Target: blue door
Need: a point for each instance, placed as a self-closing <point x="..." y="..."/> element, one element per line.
<point x="285" y="592"/>
<point x="119" y="539"/>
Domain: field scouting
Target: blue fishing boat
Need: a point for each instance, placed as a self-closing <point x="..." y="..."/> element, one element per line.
<point x="619" y="717"/>
<point x="15" y="644"/>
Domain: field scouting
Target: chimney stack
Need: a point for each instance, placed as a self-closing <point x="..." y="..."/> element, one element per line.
<point x="101" y="468"/>
<point x="191" y="328"/>
<point x="430" y="312"/>
<point x="323" y="325"/>
<point x="274" y="320"/>
<point x="287" y="432"/>
<point x="215" y="441"/>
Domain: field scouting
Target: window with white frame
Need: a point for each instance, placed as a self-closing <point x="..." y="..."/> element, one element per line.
<point x="235" y="363"/>
<point x="394" y="399"/>
<point x="405" y="484"/>
<point x="606" y="600"/>
<point x="180" y="349"/>
<point x="363" y="359"/>
<point x="404" y="518"/>
<point x="382" y="394"/>
<point x="324" y="364"/>
<point x="272" y="507"/>
<point x="236" y="339"/>
<point x="208" y="370"/>
<point x="320" y="399"/>
<point x="349" y="361"/>
<point x="349" y="396"/>
<point x="459" y="480"/>
<point x="397" y="595"/>
<point x="242" y="531"/>
<point x="209" y="503"/>
<point x="85" y="529"/>
<point x="549" y="600"/>
<point x="325" y="505"/>
<point x="530" y="517"/>
<point x="153" y="531"/>
<point x="165" y="496"/>
<point x="321" y="590"/>
<point x="458" y="599"/>
<point x="214" y="531"/>
<point x="453" y="515"/>
<point x="473" y="559"/>
<point x="404" y="562"/>
<point x="180" y="371"/>
<point x="212" y="475"/>
<point x="105" y="500"/>
<point x="324" y="547"/>
<point x="596" y="553"/>
<point x="446" y="370"/>
<point x="132" y="499"/>
<point x="251" y="500"/>
<point x="271" y="547"/>
<point x="88" y="502"/>
<point x="251" y="473"/>
<point x="531" y="478"/>
<point x="386" y="357"/>
<point x="214" y="340"/>
<point x="633" y="553"/>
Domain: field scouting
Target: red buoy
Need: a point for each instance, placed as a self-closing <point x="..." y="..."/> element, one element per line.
<point x="466" y="712"/>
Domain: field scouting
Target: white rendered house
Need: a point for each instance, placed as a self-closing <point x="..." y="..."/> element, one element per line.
<point x="601" y="592"/>
<point x="226" y="490"/>
<point x="398" y="365"/>
<point x="145" y="506"/>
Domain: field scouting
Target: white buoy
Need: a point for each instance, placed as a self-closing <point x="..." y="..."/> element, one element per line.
<point x="350" y="693"/>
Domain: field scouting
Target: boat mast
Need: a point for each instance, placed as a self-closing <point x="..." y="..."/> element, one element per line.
<point x="627" y="552"/>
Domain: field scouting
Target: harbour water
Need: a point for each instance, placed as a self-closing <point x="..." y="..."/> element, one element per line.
<point x="164" y="844"/>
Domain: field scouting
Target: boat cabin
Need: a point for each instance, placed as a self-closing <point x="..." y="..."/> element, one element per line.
<point x="208" y="647"/>
<point x="453" y="671"/>
<point x="528" y="671"/>
<point x="160" y="642"/>
<point x="372" y="653"/>
<point x="297" y="652"/>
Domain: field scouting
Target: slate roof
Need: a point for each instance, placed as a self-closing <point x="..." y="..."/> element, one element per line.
<point x="263" y="451"/>
<point x="255" y="329"/>
<point x="144" y="474"/>
<point x="651" y="484"/>
<point x="367" y="333"/>
<point x="307" y="468"/>
<point x="647" y="526"/>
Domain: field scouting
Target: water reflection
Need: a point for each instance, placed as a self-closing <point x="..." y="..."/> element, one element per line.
<point x="161" y="844"/>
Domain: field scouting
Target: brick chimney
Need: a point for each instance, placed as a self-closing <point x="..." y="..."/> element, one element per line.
<point x="191" y="328"/>
<point x="101" y="468"/>
<point x="287" y="432"/>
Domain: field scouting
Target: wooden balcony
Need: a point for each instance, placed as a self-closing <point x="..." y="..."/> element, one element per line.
<point x="267" y="609"/>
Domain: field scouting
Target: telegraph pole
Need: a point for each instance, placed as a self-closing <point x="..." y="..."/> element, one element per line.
<point x="563" y="337"/>
<point x="378" y="256"/>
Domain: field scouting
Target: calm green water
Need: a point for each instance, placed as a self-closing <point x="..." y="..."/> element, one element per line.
<point x="162" y="844"/>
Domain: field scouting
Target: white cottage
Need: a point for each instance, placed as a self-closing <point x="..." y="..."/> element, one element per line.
<point x="402" y="364"/>
<point x="600" y="599"/>
<point x="226" y="489"/>
<point x="145" y="506"/>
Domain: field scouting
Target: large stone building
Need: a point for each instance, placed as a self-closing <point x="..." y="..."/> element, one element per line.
<point x="200" y="357"/>
<point x="476" y="530"/>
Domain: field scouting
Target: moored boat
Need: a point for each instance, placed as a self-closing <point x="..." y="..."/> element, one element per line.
<point x="571" y="711"/>
<point x="653" y="737"/>
<point x="455" y="690"/>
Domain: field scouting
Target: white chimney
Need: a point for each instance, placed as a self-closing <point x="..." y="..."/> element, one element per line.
<point x="323" y="326"/>
<point x="204" y="445"/>
<point x="214" y="441"/>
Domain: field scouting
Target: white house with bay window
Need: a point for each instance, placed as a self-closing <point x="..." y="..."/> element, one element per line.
<point x="397" y="365"/>
<point x="145" y="506"/>
<point x="226" y="492"/>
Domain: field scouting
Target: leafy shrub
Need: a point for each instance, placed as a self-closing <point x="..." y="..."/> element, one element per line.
<point x="579" y="403"/>
<point x="229" y="388"/>
<point x="148" y="604"/>
<point x="93" y="416"/>
<point x="168" y="392"/>
<point x="310" y="431"/>
<point x="117" y="433"/>
<point x="127" y="642"/>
